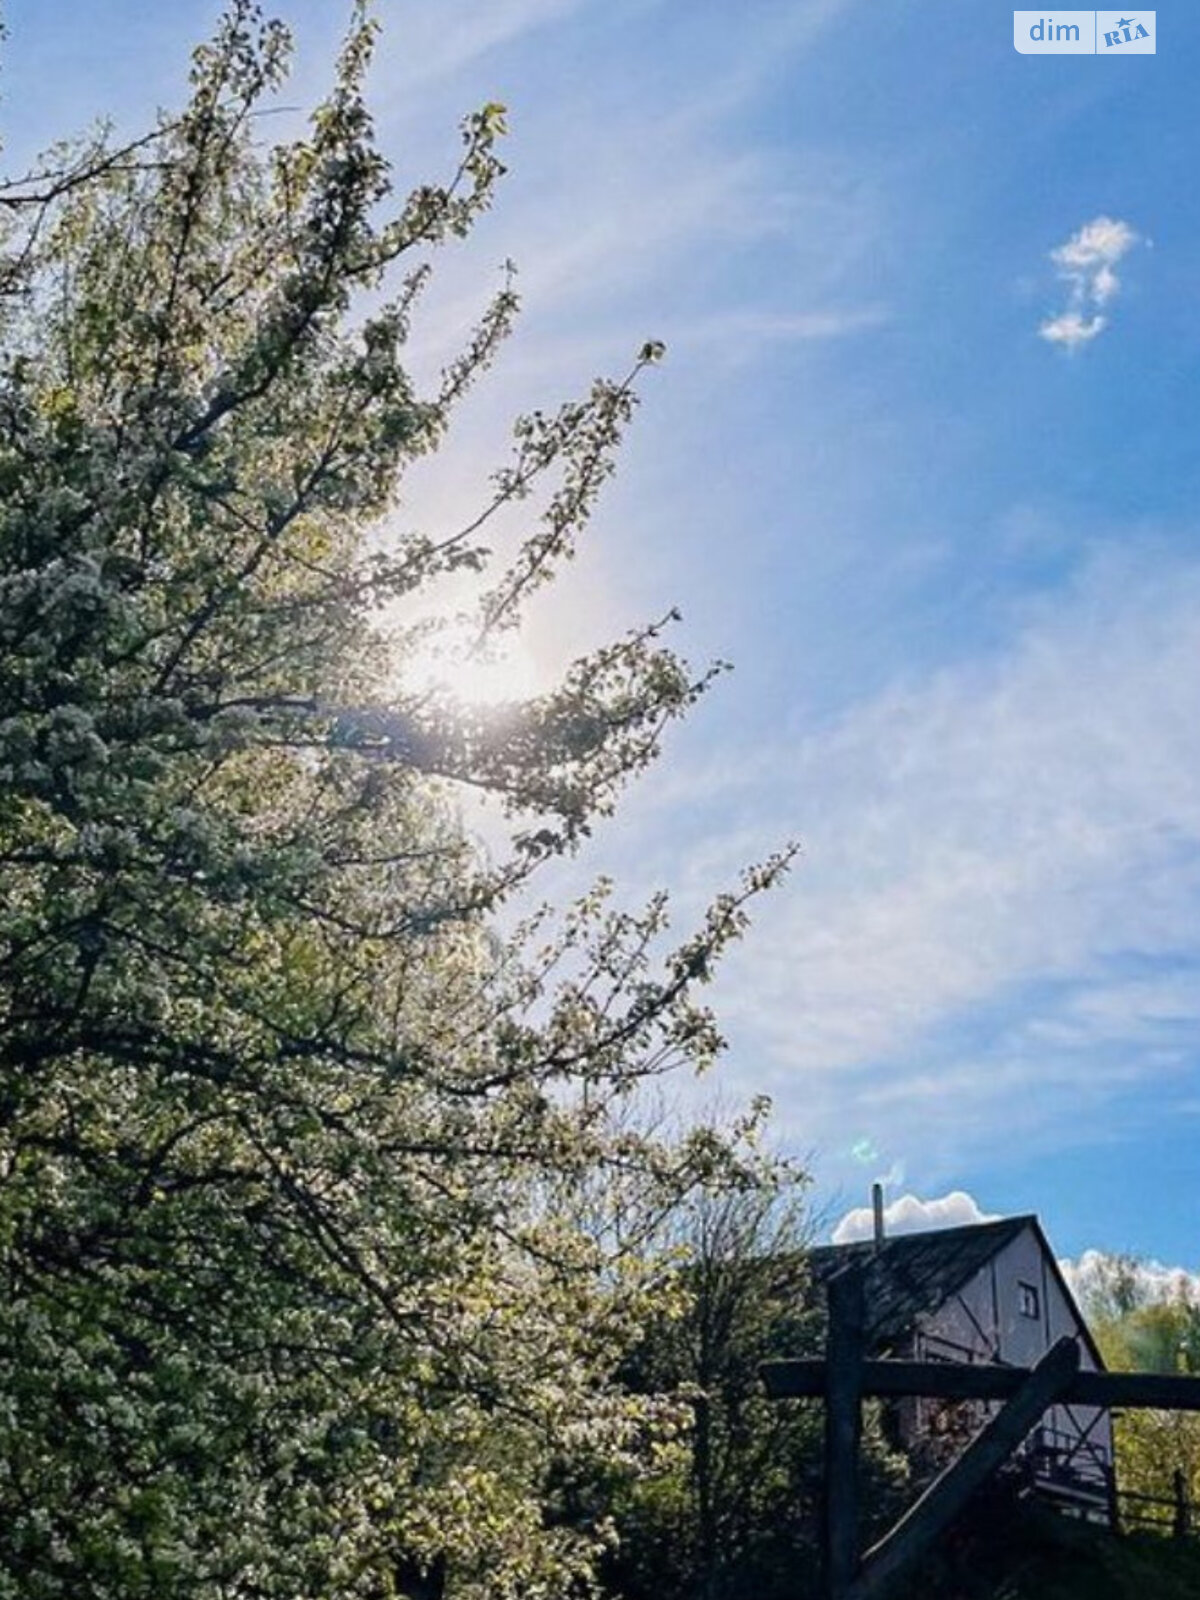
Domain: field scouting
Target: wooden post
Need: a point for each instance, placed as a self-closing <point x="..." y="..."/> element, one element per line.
<point x="1114" y="1498"/>
<point x="843" y="1426"/>
<point x="949" y="1493"/>
<point x="1182" y="1521"/>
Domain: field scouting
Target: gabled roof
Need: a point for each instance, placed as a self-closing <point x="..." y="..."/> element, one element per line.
<point x="909" y="1274"/>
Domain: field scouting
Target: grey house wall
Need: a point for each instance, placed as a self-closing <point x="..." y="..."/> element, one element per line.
<point x="989" y="1320"/>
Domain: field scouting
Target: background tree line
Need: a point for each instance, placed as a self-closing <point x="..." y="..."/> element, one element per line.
<point x="1146" y="1322"/>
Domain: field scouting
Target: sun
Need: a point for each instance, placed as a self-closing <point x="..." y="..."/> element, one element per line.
<point x="447" y="660"/>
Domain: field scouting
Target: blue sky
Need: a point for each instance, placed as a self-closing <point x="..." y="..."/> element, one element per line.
<point x="955" y="563"/>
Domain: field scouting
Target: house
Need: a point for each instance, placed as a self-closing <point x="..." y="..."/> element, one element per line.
<point x="988" y="1293"/>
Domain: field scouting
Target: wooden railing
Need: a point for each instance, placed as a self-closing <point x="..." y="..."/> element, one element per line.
<point x="1172" y="1515"/>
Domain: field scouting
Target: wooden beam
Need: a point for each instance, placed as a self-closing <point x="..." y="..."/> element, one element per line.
<point x="1154" y="1391"/>
<point x="1043" y="1386"/>
<point x="951" y="1381"/>
<point x="845" y="1348"/>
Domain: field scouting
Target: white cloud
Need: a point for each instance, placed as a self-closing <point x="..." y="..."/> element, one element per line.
<point x="1087" y="264"/>
<point x="908" y="1214"/>
<point x="1153" y="1283"/>
<point x="1071" y="329"/>
<point x="1104" y="285"/>
<point x="1095" y="248"/>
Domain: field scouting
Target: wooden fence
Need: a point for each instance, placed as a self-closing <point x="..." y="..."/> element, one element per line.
<point x="1172" y="1515"/>
<point x="846" y="1376"/>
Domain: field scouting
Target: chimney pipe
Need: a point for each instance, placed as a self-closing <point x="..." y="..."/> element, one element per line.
<point x="877" y="1209"/>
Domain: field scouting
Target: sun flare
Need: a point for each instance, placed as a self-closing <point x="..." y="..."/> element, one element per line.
<point x="449" y="662"/>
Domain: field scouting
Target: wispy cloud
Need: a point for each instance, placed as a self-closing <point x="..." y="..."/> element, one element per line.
<point x="909" y="1214"/>
<point x="682" y="201"/>
<point x="748" y="330"/>
<point x="439" y="42"/>
<point x="995" y="918"/>
<point x="689" y="226"/>
<point x="1087" y="263"/>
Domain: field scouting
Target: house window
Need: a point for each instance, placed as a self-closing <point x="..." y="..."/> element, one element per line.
<point x="1027" y="1301"/>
